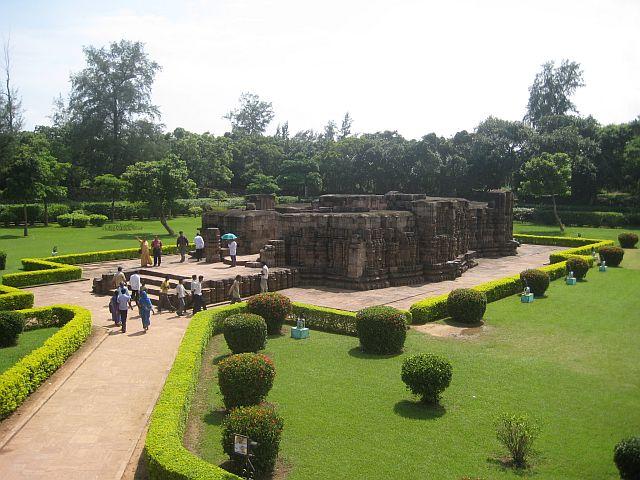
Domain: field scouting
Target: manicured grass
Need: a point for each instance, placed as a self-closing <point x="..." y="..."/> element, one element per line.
<point x="570" y="360"/>
<point x="586" y="232"/>
<point x="76" y="240"/>
<point x="27" y="342"/>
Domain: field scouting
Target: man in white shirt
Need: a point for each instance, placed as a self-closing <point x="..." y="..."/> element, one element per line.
<point x="264" y="278"/>
<point x="196" y="294"/>
<point x="136" y="283"/>
<point x="199" y="243"/>
<point x="233" y="249"/>
<point x="181" y="293"/>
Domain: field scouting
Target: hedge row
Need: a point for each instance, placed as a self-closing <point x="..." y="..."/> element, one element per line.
<point x="577" y="218"/>
<point x="39" y="271"/>
<point x="105" y="255"/>
<point x="12" y="298"/>
<point x="435" y="308"/>
<point x="167" y="457"/>
<point x="28" y="373"/>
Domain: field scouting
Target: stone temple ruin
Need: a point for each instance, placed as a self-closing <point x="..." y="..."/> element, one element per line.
<point x="371" y="241"/>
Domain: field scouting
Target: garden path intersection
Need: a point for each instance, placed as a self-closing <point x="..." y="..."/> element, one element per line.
<point x="90" y="425"/>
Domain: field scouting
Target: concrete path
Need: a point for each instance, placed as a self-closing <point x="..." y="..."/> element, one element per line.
<point x="88" y="425"/>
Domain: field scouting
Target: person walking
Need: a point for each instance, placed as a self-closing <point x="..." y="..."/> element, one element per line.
<point x="119" y="278"/>
<point x="233" y="249"/>
<point x="182" y="243"/>
<point x="199" y="243"/>
<point x="202" y="302"/>
<point x="196" y="294"/>
<point x="113" y="306"/>
<point x="124" y="303"/>
<point x="181" y="293"/>
<point x="164" y="296"/>
<point x="145" y="257"/>
<point x="156" y="246"/>
<point x="234" y="291"/>
<point x="264" y="278"/>
<point x="135" y="283"/>
<point x="146" y="308"/>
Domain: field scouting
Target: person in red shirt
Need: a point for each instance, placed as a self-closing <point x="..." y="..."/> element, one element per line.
<point x="156" y="246"/>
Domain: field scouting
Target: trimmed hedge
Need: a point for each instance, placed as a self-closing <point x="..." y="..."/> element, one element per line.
<point x="39" y="271"/>
<point x="537" y="280"/>
<point x="12" y="298"/>
<point x="579" y="266"/>
<point x="273" y="307"/>
<point x="381" y="330"/>
<point x="105" y="255"/>
<point x="11" y="326"/>
<point x="28" y="373"/>
<point x="3" y="259"/>
<point x="245" y="332"/>
<point x="245" y="379"/>
<point x="466" y="305"/>
<point x="626" y="456"/>
<point x="612" y="256"/>
<point x="628" y="240"/>
<point x="426" y="375"/>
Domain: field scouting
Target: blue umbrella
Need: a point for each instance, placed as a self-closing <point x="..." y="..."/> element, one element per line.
<point x="228" y="236"/>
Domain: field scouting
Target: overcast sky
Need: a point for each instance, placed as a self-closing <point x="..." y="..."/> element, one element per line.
<point x="412" y="66"/>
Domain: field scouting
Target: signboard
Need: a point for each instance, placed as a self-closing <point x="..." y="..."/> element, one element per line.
<point x="241" y="444"/>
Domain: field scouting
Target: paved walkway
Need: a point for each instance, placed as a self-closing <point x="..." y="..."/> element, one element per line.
<point x="88" y="426"/>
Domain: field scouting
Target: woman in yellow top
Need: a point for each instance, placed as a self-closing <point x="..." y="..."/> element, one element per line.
<point x="145" y="257"/>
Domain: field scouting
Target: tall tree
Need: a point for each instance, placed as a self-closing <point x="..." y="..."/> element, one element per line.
<point x="10" y="102"/>
<point x="160" y="183"/>
<point x="551" y="91"/>
<point x="107" y="98"/>
<point x="548" y="175"/>
<point x="345" y="127"/>
<point x="252" y="116"/>
<point x="112" y="188"/>
<point x="263" y="184"/>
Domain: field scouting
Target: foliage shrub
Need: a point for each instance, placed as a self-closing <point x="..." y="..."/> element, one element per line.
<point x="626" y="456"/>
<point x="466" y="305"/>
<point x="11" y="326"/>
<point x="427" y="376"/>
<point x="80" y="220"/>
<point x="611" y="255"/>
<point x="98" y="220"/>
<point x="121" y="227"/>
<point x="245" y="379"/>
<point x="517" y="434"/>
<point x="38" y="271"/>
<point x="273" y="307"/>
<point x="14" y="299"/>
<point x="536" y="280"/>
<point x="57" y="209"/>
<point x="245" y="332"/>
<point x="65" y="220"/>
<point x="628" y="240"/>
<point x="3" y="260"/>
<point x="381" y="330"/>
<point x="262" y="424"/>
<point x="195" y="211"/>
<point x="579" y="266"/>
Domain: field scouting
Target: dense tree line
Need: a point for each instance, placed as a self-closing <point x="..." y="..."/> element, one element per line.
<point x="106" y="141"/>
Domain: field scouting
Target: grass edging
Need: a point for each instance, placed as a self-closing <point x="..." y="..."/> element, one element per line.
<point x="12" y="298"/>
<point x="23" y="378"/>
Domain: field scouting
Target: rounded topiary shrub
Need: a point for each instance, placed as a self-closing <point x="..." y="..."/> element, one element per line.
<point x="536" y="280"/>
<point x="245" y="379"/>
<point x="626" y="456"/>
<point x="628" y="239"/>
<point x="245" y="332"/>
<point x="65" y="220"/>
<point x="381" y="330"/>
<point x="579" y="266"/>
<point x="427" y="376"/>
<point x="262" y="424"/>
<point x="466" y="305"/>
<point x="11" y="326"/>
<point x="611" y="255"/>
<point x="80" y="220"/>
<point x="273" y="307"/>
<point x="3" y="260"/>
<point x="98" y="220"/>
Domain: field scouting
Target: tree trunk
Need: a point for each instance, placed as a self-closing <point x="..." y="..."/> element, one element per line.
<point x="555" y="214"/>
<point x="26" y="228"/>
<point x="46" y="213"/>
<point x="113" y="209"/>
<point x="163" y="221"/>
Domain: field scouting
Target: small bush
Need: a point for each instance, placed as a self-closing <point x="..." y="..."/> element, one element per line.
<point x="465" y="305"/>
<point x="273" y="307"/>
<point x="3" y="260"/>
<point x="517" y="433"/>
<point x="245" y="379"/>
<point x="57" y="209"/>
<point x="536" y="280"/>
<point x="626" y="456"/>
<point x="262" y="424"/>
<point x="245" y="332"/>
<point x="381" y="330"/>
<point x="628" y="240"/>
<point x="611" y="255"/>
<point x="11" y="325"/>
<point x="65" y="220"/>
<point x="427" y="376"/>
<point x="98" y="220"/>
<point x="195" y="211"/>
<point x="121" y="227"/>
<point x="80" y="220"/>
<point x="579" y="267"/>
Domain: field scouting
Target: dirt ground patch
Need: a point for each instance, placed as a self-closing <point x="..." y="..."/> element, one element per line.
<point x="451" y="330"/>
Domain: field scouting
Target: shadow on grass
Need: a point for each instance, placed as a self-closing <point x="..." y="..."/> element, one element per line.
<point x="506" y="465"/>
<point x="10" y="237"/>
<point x="451" y="322"/>
<point x="215" y="417"/>
<point x="418" y="410"/>
<point x="358" y="353"/>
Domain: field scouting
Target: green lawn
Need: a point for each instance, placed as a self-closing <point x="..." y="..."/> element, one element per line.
<point x="27" y="342"/>
<point x="570" y="360"/>
<point x="75" y="240"/>
<point x="587" y="232"/>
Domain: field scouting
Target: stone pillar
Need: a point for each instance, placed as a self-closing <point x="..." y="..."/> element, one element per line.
<point x="211" y="238"/>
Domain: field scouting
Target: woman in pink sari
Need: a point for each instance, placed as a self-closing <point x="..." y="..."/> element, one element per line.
<point x="145" y="257"/>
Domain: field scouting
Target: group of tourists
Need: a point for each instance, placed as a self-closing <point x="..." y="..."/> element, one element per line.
<point x="121" y="300"/>
<point x="182" y="244"/>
